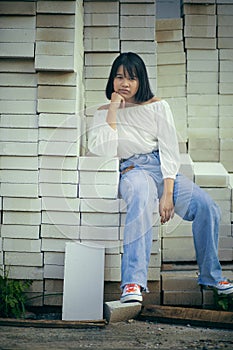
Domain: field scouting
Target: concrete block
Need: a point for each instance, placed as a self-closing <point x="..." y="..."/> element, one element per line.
<point x="21" y="245"/>
<point x="21" y="217"/>
<point x="98" y="163"/>
<point x="142" y="21"/>
<point x="53" y="245"/>
<point x="19" y="190"/>
<point x="19" y="176"/>
<point x="202" y="88"/>
<point x="211" y="122"/>
<point x="60" y="231"/>
<point x="169" y="24"/>
<point x="182" y="298"/>
<point x="225" y="43"/>
<point x="58" y="162"/>
<point x="16" y="8"/>
<point x="112" y="274"/>
<point x="101" y="44"/>
<point x="19" y="162"/>
<point x="20" y="231"/>
<point x="20" y="22"/>
<point x="17" y="106"/>
<point x="200" y="20"/>
<point x="100" y="7"/>
<point x="54" y="48"/>
<point x="100" y="19"/>
<point x="64" y="7"/>
<point x="139" y="9"/>
<point x="60" y="204"/>
<point x="210" y="174"/>
<point x="55" y="21"/>
<point x="54" y="272"/>
<point x="202" y="66"/>
<point x="202" y="77"/>
<point x="60" y="218"/>
<point x="139" y="46"/>
<point x="199" y="9"/>
<point x="22" y="204"/>
<point x="53" y="258"/>
<point x="54" y="63"/>
<point x="171" y="58"/>
<point x="200" y="43"/>
<point x="23" y="259"/>
<point x="106" y="233"/>
<point x="225" y="9"/>
<point x="19" y="121"/>
<point x="26" y="272"/>
<point x="58" y="176"/>
<point x="18" y="79"/>
<point x="18" y="93"/>
<point x="137" y="33"/>
<point x="17" y="35"/>
<point x="58" y="190"/>
<point x="99" y="205"/>
<point x="226" y="66"/>
<point x="193" y="31"/>
<point x="16" y="50"/>
<point x="225" y="20"/>
<point x="57" y="78"/>
<point x="49" y="120"/>
<point x="175" y="46"/>
<point x="100" y="219"/>
<point x="115" y="311"/>
<point x="203" y="54"/>
<point x="172" y="251"/>
<point x="14" y="65"/>
<point x="56" y="148"/>
<point x="99" y="177"/>
<point x="169" y="35"/>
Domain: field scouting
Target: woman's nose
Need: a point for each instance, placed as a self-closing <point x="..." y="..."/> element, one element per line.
<point x="125" y="82"/>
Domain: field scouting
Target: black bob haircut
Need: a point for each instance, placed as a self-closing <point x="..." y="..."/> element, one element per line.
<point x="135" y="66"/>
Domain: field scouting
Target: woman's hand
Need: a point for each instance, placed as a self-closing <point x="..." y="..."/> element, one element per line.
<point x="117" y="101"/>
<point x="166" y="208"/>
<point x="166" y="205"/>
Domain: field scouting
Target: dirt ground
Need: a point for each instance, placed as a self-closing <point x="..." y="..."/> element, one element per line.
<point x="130" y="335"/>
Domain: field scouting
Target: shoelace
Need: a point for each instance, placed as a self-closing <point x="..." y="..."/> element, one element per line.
<point x="223" y="282"/>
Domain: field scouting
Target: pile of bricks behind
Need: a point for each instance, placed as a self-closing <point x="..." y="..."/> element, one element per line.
<point x="44" y="219"/>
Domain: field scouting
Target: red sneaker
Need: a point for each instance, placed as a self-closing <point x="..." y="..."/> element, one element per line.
<point x="131" y="293"/>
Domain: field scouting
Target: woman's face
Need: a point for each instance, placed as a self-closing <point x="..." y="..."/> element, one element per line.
<point x="125" y="85"/>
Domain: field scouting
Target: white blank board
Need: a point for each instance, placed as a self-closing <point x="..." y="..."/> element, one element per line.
<point x="83" y="282"/>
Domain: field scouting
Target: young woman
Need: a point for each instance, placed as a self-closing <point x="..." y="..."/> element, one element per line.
<point x="139" y="129"/>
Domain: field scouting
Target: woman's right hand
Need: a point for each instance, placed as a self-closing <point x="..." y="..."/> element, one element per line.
<point x="117" y="101"/>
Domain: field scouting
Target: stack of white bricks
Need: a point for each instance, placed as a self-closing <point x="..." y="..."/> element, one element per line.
<point x="171" y="72"/>
<point x="202" y="79"/>
<point x="225" y="46"/>
<point x="20" y="229"/>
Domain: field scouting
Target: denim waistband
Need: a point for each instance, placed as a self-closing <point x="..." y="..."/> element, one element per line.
<point x="136" y="156"/>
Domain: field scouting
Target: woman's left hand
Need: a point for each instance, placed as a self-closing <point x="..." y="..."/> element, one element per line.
<point x="166" y="208"/>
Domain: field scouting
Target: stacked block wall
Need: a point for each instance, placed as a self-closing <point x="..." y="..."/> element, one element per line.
<point x="48" y="195"/>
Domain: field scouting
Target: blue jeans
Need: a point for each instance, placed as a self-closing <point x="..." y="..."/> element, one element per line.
<point x="141" y="188"/>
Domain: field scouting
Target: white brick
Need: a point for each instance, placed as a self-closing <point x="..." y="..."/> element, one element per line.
<point x="66" y="7"/>
<point x="20" y="107"/>
<point x="19" y="176"/>
<point x="17" y="35"/>
<point x="204" y="155"/>
<point x="137" y="33"/>
<point x="142" y="21"/>
<point x="14" y="65"/>
<point x="54" y="48"/>
<point x="195" y="123"/>
<point x="112" y="274"/>
<point x="19" y="190"/>
<point x="55" y="20"/>
<point x="26" y="272"/>
<point x="61" y="120"/>
<point x="225" y="20"/>
<point x="226" y="9"/>
<point x="58" y="134"/>
<point x="53" y="245"/>
<point x="200" y="31"/>
<point x="23" y="259"/>
<point x="17" y="8"/>
<point x="58" y="176"/>
<point x="30" y="163"/>
<point x="98" y="163"/>
<point x="99" y="205"/>
<point x="100" y="7"/>
<point x="60" y="218"/>
<point x="210" y="174"/>
<point x="51" y="258"/>
<point x="208" y="55"/>
<point x="226" y="66"/>
<point x="202" y="9"/>
<point x="172" y="250"/>
<point x="21" y="22"/>
<point x="56" y="148"/>
<point x="172" y="80"/>
<point x="139" y="9"/>
<point x="18" y="79"/>
<point x="19" y="50"/>
<point x="58" y="190"/>
<point x="19" y="121"/>
<point x="58" y="162"/>
<point x="101" y="44"/>
<point x="171" y="58"/>
<point x="22" y="204"/>
<point x="61" y="204"/>
<point x="54" y="272"/>
<point x="56" y="106"/>
<point x="169" y="35"/>
<point x="202" y="88"/>
<point x="169" y="24"/>
<point x="202" y="111"/>
<point x="98" y="191"/>
<point x="139" y="46"/>
<point x="154" y="274"/>
<point x="18" y="93"/>
<point x="225" y="43"/>
<point x="99" y="233"/>
<point x="207" y="100"/>
<point x="20" y="231"/>
<point x="113" y="260"/>
<point x="202" y="66"/>
<point x="207" y="77"/>
<point x="100" y="219"/>
<point x="60" y="231"/>
<point x="21" y="245"/>
<point x="21" y="217"/>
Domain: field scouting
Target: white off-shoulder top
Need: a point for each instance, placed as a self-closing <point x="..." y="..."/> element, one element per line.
<point x="140" y="129"/>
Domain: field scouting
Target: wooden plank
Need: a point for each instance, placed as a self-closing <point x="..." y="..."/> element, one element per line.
<point x="222" y="319"/>
<point x="51" y="323"/>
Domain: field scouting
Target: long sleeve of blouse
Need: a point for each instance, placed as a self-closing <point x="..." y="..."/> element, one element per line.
<point x="140" y="129"/>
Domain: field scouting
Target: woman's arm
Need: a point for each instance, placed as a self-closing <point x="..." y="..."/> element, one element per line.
<point x="116" y="102"/>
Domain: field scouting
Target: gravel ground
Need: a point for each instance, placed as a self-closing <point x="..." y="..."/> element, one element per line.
<point x="130" y="335"/>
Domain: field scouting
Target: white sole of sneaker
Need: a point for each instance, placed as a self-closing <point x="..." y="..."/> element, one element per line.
<point x="225" y="292"/>
<point x="131" y="298"/>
